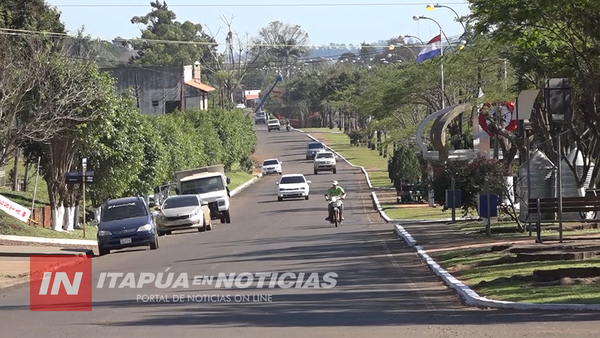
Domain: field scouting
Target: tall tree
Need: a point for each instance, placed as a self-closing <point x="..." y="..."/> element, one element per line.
<point x="553" y="39"/>
<point x="282" y="43"/>
<point x="187" y="44"/>
<point x="73" y="88"/>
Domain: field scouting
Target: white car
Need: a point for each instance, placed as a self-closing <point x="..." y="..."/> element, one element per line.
<point x="293" y="186"/>
<point x="241" y="106"/>
<point x="271" y="166"/>
<point x="273" y="124"/>
<point x="324" y="161"/>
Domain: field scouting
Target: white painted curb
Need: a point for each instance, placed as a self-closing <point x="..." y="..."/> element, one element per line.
<point x="349" y="163"/>
<point x="469" y="296"/>
<point x="244" y="186"/>
<point x="63" y="241"/>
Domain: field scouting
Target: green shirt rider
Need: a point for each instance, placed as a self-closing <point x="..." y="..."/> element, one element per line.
<point x="338" y="191"/>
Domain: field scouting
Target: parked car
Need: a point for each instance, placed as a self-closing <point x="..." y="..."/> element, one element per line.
<point x="240" y="106"/>
<point x="325" y="161"/>
<point x="271" y="166"/>
<point x="124" y="223"/>
<point x="183" y="212"/>
<point x="293" y="186"/>
<point x="273" y="124"/>
<point x="313" y="148"/>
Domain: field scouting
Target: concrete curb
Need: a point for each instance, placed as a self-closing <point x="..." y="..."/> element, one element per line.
<point x="63" y="241"/>
<point x="28" y="254"/>
<point x="244" y="185"/>
<point x="364" y="171"/>
<point x="469" y="296"/>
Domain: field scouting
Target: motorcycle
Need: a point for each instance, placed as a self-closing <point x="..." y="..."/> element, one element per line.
<point x="336" y="211"/>
<point x="287" y="127"/>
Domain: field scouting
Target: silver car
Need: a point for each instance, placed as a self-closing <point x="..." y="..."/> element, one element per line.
<point x="182" y="213"/>
<point x="313" y="148"/>
<point x="325" y="161"/>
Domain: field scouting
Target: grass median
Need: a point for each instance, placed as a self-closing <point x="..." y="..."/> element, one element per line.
<point x="375" y="165"/>
<point x="502" y="276"/>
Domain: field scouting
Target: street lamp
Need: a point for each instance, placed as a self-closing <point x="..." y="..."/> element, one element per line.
<point x="421" y="17"/>
<point x="432" y="7"/>
<point x="412" y="36"/>
<point x="392" y="47"/>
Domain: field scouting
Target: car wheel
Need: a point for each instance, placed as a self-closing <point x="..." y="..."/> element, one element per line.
<point x="203" y="227"/>
<point x="279" y="199"/>
<point x="280" y="173"/>
<point x="306" y="198"/>
<point x="209" y="226"/>
<point x="161" y="233"/>
<point x="103" y="251"/>
<point x="222" y="220"/>
<point x="154" y="245"/>
<point x="227" y="217"/>
<point x="334" y="171"/>
<point x="316" y="172"/>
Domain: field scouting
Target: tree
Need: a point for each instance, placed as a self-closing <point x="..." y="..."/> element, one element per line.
<point x="77" y="91"/>
<point x="115" y="145"/>
<point x="282" y="43"/>
<point x="35" y="15"/>
<point x="552" y="40"/>
<point x="160" y="24"/>
<point x="404" y="165"/>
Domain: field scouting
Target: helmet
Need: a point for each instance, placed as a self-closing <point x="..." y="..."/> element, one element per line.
<point x="335" y="182"/>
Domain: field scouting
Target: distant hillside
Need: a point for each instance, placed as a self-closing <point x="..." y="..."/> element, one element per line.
<point x="334" y="50"/>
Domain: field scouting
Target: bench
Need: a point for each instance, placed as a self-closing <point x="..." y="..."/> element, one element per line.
<point x="582" y="205"/>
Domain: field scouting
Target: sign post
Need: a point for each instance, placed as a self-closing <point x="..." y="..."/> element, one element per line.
<point x="83" y="170"/>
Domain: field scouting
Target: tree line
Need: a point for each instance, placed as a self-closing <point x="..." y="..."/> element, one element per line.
<point x="59" y="109"/>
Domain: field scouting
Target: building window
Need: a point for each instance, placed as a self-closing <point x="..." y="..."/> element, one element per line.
<point x="154" y="103"/>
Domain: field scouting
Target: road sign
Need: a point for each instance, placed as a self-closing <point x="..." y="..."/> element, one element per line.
<point x="76" y="177"/>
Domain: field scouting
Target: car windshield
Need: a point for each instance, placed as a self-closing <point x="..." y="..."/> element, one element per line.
<point x="315" y="146"/>
<point x="181" y="202"/>
<point x="115" y="212"/>
<point x="271" y="162"/>
<point x="292" y="180"/>
<point x="202" y="185"/>
<point x="325" y="155"/>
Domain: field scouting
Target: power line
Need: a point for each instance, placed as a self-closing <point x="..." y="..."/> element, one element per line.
<point x="23" y="32"/>
<point x="265" y="5"/>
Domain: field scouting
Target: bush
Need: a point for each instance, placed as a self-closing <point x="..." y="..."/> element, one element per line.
<point x="404" y="165"/>
<point x="470" y="180"/>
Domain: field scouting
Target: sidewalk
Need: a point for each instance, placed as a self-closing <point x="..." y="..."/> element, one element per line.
<point x="14" y="261"/>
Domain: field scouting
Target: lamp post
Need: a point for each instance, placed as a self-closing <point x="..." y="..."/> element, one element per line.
<point x="421" y="17"/>
<point x="392" y="47"/>
<point x="414" y="37"/>
<point x="432" y="7"/>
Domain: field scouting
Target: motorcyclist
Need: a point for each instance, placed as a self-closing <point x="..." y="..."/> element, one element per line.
<point x="335" y="190"/>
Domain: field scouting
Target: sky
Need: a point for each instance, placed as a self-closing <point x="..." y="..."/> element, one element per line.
<point x="325" y="21"/>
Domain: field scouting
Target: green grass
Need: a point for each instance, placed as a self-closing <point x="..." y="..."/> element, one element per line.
<point x="506" y="230"/>
<point x="322" y="130"/>
<point x="11" y="226"/>
<point x="375" y="165"/>
<point x="514" y="290"/>
<point x="238" y="178"/>
<point x="415" y="213"/>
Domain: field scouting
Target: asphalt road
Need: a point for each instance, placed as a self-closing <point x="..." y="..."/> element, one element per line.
<point x="382" y="288"/>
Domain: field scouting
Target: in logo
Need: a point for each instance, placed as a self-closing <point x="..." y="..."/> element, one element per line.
<point x="60" y="283"/>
